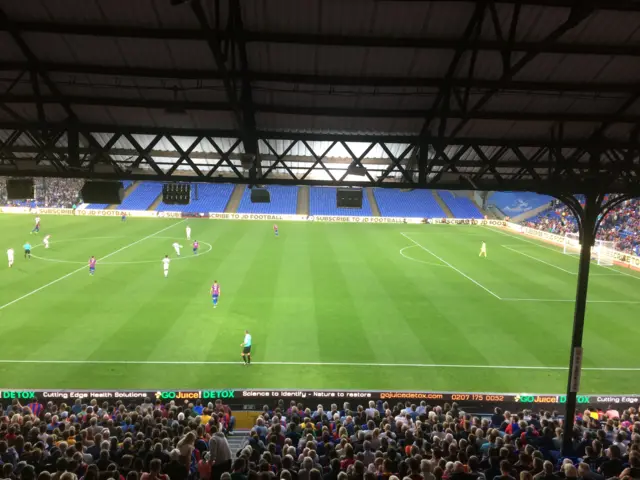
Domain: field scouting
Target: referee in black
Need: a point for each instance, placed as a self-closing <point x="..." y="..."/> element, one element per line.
<point x="246" y="348"/>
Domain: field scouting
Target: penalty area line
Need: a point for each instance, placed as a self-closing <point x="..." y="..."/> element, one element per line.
<point x="450" y="266"/>
<point x="557" y="250"/>
<point x="2" y="307"/>
<point x="317" y="364"/>
<point x="539" y="260"/>
<point x="632" y="302"/>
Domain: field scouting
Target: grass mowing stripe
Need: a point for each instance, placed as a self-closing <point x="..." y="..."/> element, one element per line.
<point x="451" y="266"/>
<point x="537" y="244"/>
<point x="2" y="307"/>
<point x="572" y="300"/>
<point x="538" y="260"/>
<point x="322" y="364"/>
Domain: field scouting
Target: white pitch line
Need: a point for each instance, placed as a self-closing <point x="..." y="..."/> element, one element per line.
<point x="84" y="267"/>
<point x="416" y="260"/>
<point x="538" y="260"/>
<point x="622" y="273"/>
<point x="556" y="251"/>
<point x="632" y="302"/>
<point x="316" y="364"/>
<point x="451" y="266"/>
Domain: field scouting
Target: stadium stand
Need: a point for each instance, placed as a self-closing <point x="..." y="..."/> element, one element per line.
<point x="461" y="207"/>
<point x="50" y="192"/>
<point x="211" y="198"/>
<point x="621" y="225"/>
<point x="142" y="197"/>
<point x="512" y="204"/>
<point x="322" y="201"/>
<point x="375" y="441"/>
<point x="283" y="201"/>
<point x="416" y="203"/>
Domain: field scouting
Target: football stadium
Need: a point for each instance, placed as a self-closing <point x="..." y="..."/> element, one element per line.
<point x="319" y="240"/>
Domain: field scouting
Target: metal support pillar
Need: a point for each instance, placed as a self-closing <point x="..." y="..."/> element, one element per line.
<point x="588" y="223"/>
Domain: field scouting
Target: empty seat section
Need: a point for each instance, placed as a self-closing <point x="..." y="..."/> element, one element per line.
<point x="461" y="207"/>
<point x="416" y="203"/>
<point x="142" y="197"/>
<point x="516" y="203"/>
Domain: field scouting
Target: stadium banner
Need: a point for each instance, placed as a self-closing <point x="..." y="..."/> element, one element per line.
<point x="249" y="399"/>
<point x="128" y="213"/>
<point x="90" y="213"/>
<point x="467" y="221"/>
<point x="256" y="216"/>
<point x="15" y="210"/>
<point x="346" y="219"/>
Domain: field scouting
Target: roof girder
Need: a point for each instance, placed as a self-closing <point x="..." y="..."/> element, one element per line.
<point x="437" y="43"/>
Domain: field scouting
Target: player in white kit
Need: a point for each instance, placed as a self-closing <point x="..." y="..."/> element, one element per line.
<point x="45" y="240"/>
<point x="188" y="232"/>
<point x="10" y="255"/>
<point x="176" y="246"/>
<point x="165" y="264"/>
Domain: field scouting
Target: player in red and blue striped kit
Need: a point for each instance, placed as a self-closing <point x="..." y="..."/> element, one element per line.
<point x="195" y="247"/>
<point x="275" y="230"/>
<point x="92" y="265"/>
<point x="215" y="293"/>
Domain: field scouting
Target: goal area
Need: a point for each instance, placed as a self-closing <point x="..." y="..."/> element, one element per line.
<point x="603" y="252"/>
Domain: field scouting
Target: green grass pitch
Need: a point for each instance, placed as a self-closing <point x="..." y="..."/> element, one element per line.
<point x="333" y="306"/>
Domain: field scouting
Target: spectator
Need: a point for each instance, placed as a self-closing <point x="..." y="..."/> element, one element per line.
<point x="585" y="472"/>
<point x="219" y="454"/>
<point x="175" y="470"/>
<point x="505" y="471"/>
<point x="155" y="467"/>
<point x="613" y="466"/>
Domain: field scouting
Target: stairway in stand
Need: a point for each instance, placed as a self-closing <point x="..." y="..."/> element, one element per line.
<point x="237" y="440"/>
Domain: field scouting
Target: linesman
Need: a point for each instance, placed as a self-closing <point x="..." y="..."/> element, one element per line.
<point x="246" y="348"/>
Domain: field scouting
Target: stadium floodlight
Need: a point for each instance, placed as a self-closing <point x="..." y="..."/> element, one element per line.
<point x="26" y="164"/>
<point x="104" y="168"/>
<point x="356" y="170"/>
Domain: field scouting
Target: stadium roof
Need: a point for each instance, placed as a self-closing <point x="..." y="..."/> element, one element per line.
<point x="446" y="87"/>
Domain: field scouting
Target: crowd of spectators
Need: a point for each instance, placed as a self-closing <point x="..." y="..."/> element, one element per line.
<point x="49" y="193"/>
<point x="621" y="225"/>
<point x="151" y="441"/>
<point x="156" y="441"/>
<point x="420" y="442"/>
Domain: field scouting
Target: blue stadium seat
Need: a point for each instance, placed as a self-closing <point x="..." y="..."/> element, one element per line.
<point x="416" y="203"/>
<point x="322" y="201"/>
<point x="461" y="207"/>
<point x="142" y="197"/>
<point x="212" y="198"/>
<point x="516" y="203"/>
<point x="284" y="201"/>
